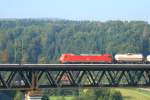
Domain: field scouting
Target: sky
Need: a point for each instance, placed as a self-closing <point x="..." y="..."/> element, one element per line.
<point x="94" y="10"/>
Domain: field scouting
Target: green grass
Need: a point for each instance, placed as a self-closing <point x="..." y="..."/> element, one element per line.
<point x="60" y="97"/>
<point x="134" y="94"/>
<point x="127" y="93"/>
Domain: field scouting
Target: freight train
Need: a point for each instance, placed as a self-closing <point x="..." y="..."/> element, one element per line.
<point x="70" y="58"/>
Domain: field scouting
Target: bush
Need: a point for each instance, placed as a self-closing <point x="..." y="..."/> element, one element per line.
<point x="45" y="97"/>
<point x="19" y="95"/>
<point x="116" y="96"/>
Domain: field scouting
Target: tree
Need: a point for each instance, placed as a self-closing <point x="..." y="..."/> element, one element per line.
<point x="42" y="60"/>
<point x="24" y="59"/>
<point x="145" y="40"/>
<point x="5" y="56"/>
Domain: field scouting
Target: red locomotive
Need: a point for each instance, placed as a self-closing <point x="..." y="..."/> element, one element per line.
<point x="86" y="58"/>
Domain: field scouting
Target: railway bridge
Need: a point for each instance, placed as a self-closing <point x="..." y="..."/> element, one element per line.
<point x="38" y="76"/>
<point x="29" y="77"/>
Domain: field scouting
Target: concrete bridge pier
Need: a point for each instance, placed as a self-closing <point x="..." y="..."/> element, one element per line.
<point x="33" y="95"/>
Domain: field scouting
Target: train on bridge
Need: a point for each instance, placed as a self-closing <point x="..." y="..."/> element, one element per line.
<point x="69" y="58"/>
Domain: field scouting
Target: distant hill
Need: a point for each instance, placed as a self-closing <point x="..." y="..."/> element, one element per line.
<point x="43" y="41"/>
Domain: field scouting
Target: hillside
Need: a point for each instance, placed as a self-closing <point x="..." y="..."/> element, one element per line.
<point x="43" y="41"/>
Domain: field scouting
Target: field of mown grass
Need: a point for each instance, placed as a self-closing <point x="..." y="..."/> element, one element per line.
<point x="134" y="94"/>
<point x="60" y="97"/>
<point x="127" y="93"/>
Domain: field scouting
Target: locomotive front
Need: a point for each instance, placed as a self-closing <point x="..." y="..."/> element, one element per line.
<point x="86" y="58"/>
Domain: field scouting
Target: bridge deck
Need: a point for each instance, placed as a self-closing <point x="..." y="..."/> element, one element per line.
<point x="74" y="66"/>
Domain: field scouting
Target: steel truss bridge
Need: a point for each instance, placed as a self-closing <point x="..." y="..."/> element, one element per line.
<point x="38" y="76"/>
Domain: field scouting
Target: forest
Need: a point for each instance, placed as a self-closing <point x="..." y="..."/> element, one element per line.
<point x="44" y="40"/>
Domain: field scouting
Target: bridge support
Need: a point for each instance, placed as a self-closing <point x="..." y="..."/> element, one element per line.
<point x="33" y="95"/>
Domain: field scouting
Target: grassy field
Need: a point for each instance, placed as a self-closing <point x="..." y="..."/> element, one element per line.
<point x="127" y="93"/>
<point x="134" y="94"/>
<point x="60" y="98"/>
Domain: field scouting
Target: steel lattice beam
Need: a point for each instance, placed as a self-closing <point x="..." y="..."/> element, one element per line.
<point x="34" y="76"/>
